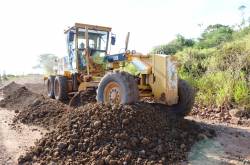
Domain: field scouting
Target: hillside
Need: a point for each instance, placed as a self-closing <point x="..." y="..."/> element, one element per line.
<point x="217" y="64"/>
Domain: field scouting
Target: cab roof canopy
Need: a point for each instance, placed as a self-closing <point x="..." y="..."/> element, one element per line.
<point x="90" y="27"/>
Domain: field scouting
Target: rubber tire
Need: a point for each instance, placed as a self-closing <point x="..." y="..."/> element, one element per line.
<point x="186" y="99"/>
<point x="62" y="92"/>
<point x="50" y="82"/>
<point x="126" y="82"/>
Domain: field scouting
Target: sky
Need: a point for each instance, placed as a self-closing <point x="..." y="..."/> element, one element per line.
<point x="29" y="28"/>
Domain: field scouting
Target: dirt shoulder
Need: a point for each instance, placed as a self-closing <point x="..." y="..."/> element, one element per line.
<point x="15" y="141"/>
<point x="230" y="146"/>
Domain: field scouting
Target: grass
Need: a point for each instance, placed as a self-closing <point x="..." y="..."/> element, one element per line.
<point x="221" y="74"/>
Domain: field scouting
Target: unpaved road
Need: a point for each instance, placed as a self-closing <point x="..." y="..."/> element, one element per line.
<point x="230" y="146"/>
<point x="14" y="142"/>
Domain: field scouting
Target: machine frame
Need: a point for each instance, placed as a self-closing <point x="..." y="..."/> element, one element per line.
<point x="157" y="75"/>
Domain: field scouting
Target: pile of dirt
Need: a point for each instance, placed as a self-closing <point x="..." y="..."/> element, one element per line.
<point x="82" y="98"/>
<point x="222" y="114"/>
<point x="18" y="98"/>
<point x="42" y="112"/>
<point x="88" y="96"/>
<point x="243" y="113"/>
<point x="128" y="134"/>
<point x="32" y="108"/>
<point x="10" y="88"/>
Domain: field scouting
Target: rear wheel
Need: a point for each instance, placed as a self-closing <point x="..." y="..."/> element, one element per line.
<point x="186" y="99"/>
<point x="117" y="88"/>
<point x="50" y="86"/>
<point x="60" y="88"/>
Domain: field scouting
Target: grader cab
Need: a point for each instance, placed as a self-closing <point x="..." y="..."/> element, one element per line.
<point x="90" y="66"/>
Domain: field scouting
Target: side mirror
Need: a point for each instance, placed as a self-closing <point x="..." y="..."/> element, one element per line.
<point x="70" y="36"/>
<point x="113" y="39"/>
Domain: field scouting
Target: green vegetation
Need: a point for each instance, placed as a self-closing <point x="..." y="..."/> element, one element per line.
<point x="217" y="65"/>
<point x="214" y="35"/>
<point x="174" y="46"/>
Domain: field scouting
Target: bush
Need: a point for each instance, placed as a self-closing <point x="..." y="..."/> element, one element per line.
<point x="233" y="56"/>
<point x="194" y="61"/>
<point x="174" y="46"/>
<point x="218" y="66"/>
<point x="215" y="88"/>
<point x="242" y="93"/>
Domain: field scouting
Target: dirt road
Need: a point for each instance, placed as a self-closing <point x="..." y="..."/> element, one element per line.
<point x="14" y="142"/>
<point x="230" y="146"/>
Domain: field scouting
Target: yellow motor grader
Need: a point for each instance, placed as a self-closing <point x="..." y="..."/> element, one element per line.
<point x="90" y="66"/>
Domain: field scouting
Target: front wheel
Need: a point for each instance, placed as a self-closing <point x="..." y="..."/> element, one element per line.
<point x="186" y="99"/>
<point x="117" y="88"/>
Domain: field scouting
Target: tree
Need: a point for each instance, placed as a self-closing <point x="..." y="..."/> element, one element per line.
<point x="175" y="45"/>
<point x="47" y="62"/>
<point x="214" y="35"/>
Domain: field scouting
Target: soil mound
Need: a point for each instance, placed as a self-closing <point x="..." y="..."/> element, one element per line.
<point x="82" y="98"/>
<point x="10" y="88"/>
<point x="42" y="112"/>
<point x="220" y="114"/>
<point x="223" y="114"/>
<point x="32" y="108"/>
<point x="128" y="134"/>
<point x="18" y="97"/>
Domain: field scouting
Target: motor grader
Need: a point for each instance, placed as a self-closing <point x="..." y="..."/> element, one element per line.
<point x="89" y="65"/>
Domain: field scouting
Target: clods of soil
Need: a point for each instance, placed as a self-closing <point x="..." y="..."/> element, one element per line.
<point x="142" y="133"/>
<point x="32" y="108"/>
<point x="128" y="134"/>
<point x="223" y="114"/>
